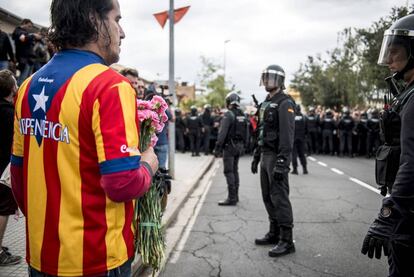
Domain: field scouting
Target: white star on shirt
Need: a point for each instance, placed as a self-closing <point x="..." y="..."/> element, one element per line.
<point x="41" y="100"/>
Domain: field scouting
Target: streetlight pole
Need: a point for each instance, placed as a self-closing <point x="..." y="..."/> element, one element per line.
<point x="224" y="62"/>
<point x="171" y="90"/>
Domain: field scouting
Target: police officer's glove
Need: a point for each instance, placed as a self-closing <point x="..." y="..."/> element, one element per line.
<point x="380" y="231"/>
<point x="254" y="165"/>
<point x="383" y="190"/>
<point x="218" y="152"/>
<point x="279" y="170"/>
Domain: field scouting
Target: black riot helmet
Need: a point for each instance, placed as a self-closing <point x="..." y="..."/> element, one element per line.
<point x="273" y="77"/>
<point x="398" y="44"/>
<point x="193" y="110"/>
<point x="232" y="99"/>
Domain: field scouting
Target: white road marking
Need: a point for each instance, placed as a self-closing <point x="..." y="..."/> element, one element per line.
<point x="312" y="159"/>
<point x="322" y="164"/>
<point x="365" y="185"/>
<point x="337" y="171"/>
<point x="189" y="227"/>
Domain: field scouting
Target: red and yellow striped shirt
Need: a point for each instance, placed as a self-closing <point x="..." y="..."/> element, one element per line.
<point x="74" y="120"/>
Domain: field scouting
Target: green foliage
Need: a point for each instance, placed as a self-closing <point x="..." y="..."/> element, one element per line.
<point x="350" y="74"/>
<point x="213" y="81"/>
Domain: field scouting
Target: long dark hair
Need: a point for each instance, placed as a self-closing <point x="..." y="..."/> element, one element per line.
<point x="76" y="22"/>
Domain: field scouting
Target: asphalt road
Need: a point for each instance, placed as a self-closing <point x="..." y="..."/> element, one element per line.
<point x="332" y="212"/>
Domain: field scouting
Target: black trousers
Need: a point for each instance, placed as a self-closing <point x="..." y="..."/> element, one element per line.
<point x="327" y="140"/>
<point x="298" y="150"/>
<point x="194" y="141"/>
<point x="206" y="139"/>
<point x="400" y="260"/>
<point x="313" y="142"/>
<point x="346" y="137"/>
<point x="179" y="137"/>
<point x="231" y="172"/>
<point x="275" y="193"/>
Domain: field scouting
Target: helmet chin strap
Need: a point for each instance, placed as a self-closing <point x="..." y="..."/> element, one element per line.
<point x="399" y="75"/>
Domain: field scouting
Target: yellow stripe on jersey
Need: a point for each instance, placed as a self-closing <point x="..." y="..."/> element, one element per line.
<point x="36" y="201"/>
<point x="68" y="157"/>
<point x="96" y="127"/>
<point x="128" y="103"/>
<point x="115" y="218"/>
<point x="18" y="138"/>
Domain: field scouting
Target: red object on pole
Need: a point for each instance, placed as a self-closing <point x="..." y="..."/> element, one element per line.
<point x="162" y="17"/>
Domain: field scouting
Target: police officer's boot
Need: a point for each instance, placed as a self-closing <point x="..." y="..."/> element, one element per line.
<point x="272" y="237"/>
<point x="295" y="171"/>
<point x="237" y="194"/>
<point x="305" y="170"/>
<point x="285" y="245"/>
<point x="231" y="199"/>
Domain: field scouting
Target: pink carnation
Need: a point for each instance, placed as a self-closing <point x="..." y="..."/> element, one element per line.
<point x="158" y="104"/>
<point x="144" y="105"/>
<point x="145" y="114"/>
<point x="154" y="140"/>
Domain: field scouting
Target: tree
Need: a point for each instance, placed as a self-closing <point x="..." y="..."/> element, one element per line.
<point x="350" y="74"/>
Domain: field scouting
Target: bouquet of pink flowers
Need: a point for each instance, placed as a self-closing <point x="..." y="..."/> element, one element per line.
<point x="148" y="211"/>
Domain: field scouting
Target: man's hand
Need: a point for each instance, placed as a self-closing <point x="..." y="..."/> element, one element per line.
<point x="375" y="244"/>
<point x="279" y="170"/>
<point x="149" y="157"/>
<point x="381" y="230"/>
<point x="254" y="166"/>
<point x="217" y="152"/>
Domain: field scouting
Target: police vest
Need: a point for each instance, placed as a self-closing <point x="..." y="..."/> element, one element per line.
<point x="269" y="122"/>
<point x="388" y="155"/>
<point x="239" y="128"/>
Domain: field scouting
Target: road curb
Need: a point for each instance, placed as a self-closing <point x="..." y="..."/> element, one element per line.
<point x="137" y="267"/>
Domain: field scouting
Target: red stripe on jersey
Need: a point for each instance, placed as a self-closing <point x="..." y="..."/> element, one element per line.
<point x="93" y="195"/>
<point x="51" y="241"/>
<point x="25" y="113"/>
<point x="112" y="110"/>
<point x="127" y="231"/>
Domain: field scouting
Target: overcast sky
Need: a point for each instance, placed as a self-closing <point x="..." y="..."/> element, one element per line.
<point x="261" y="32"/>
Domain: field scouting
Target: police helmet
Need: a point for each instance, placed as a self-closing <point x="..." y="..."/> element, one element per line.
<point x="232" y="99"/>
<point x="329" y="112"/>
<point x="346" y="111"/>
<point x="273" y="77"/>
<point x="207" y="107"/>
<point x="398" y="44"/>
<point x="178" y="111"/>
<point x="297" y="108"/>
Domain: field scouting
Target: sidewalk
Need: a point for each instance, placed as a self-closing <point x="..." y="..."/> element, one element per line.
<point x="188" y="172"/>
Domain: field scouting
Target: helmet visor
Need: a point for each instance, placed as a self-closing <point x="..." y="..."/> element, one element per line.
<point x="395" y="48"/>
<point x="272" y="78"/>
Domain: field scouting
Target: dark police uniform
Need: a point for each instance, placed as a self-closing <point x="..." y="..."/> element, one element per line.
<point x="373" y="140"/>
<point x="208" y="122"/>
<point x="328" y="127"/>
<point x="276" y="129"/>
<point x="179" y="131"/>
<point x="346" y="126"/>
<point x="301" y="131"/>
<point x="194" y="125"/>
<point x="231" y="140"/>
<point x="393" y="229"/>
<point x="313" y="133"/>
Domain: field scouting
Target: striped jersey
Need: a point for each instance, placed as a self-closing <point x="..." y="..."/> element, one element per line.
<point x="75" y="120"/>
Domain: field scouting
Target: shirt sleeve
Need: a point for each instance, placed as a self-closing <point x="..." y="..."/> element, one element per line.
<point x="286" y="130"/>
<point x="115" y="125"/>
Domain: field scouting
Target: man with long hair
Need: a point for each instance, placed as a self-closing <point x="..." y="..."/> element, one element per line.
<point x="76" y="166"/>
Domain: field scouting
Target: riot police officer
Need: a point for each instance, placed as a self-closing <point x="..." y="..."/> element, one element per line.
<point x="301" y="132"/>
<point x="313" y="133"/>
<point x="361" y="129"/>
<point x="179" y="130"/>
<point x="346" y="126"/>
<point x="194" y="127"/>
<point x="393" y="229"/>
<point x="328" y="127"/>
<point x="231" y="141"/>
<point x="276" y="128"/>
<point x="373" y="126"/>
<point x="208" y="122"/>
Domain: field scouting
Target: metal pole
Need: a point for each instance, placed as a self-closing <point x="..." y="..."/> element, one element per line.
<point x="171" y="89"/>
<point x="224" y="62"/>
